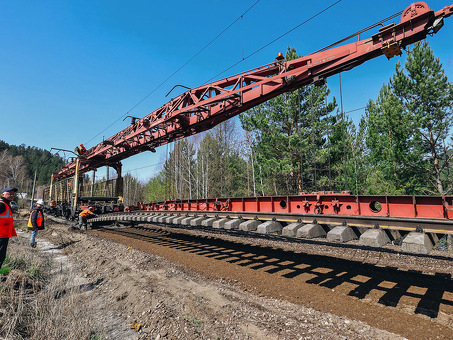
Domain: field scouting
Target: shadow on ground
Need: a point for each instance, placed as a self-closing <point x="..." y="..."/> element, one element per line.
<point x="392" y="284"/>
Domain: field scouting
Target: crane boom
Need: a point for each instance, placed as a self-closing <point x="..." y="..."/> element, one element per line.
<point x="204" y="107"/>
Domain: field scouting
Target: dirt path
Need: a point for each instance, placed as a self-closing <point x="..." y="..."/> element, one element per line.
<point x="191" y="284"/>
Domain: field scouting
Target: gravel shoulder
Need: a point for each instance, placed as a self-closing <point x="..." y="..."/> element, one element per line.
<point x="183" y="284"/>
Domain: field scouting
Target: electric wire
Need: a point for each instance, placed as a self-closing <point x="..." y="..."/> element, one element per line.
<point x="360" y="108"/>
<point x="244" y="58"/>
<point x="379" y="23"/>
<point x="163" y="162"/>
<point x="179" y="69"/>
<point x="146" y="166"/>
<point x="271" y="42"/>
<point x="207" y="45"/>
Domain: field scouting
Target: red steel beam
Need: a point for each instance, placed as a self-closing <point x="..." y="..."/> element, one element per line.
<point x="202" y="108"/>
<point x="321" y="204"/>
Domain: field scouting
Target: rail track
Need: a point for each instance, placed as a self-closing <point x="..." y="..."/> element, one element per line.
<point x="360" y="278"/>
<point x="410" y="235"/>
<point x="407" y="294"/>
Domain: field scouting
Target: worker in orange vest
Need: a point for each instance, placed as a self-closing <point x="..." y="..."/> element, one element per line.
<point x="80" y="150"/>
<point x="84" y="216"/>
<point x="36" y="222"/>
<point x="6" y="221"/>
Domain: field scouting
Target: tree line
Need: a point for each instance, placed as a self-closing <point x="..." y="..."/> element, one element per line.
<point x="19" y="164"/>
<point x="301" y="142"/>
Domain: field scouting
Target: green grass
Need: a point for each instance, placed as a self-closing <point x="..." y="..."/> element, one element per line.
<point x="31" y="302"/>
<point x="94" y="336"/>
<point x="5" y="270"/>
<point x="11" y="263"/>
<point x="195" y="322"/>
<point x="6" y="267"/>
<point x="35" y="273"/>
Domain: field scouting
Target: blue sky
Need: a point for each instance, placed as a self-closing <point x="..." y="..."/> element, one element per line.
<point x="71" y="70"/>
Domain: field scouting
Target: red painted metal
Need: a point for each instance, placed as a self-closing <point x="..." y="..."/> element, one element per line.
<point x="421" y="207"/>
<point x="202" y="108"/>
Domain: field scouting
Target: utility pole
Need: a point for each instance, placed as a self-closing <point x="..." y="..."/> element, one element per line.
<point x="92" y="181"/>
<point x="33" y="192"/>
<point x="344" y="136"/>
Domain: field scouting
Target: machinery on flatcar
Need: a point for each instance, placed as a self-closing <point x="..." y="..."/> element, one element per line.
<point x="68" y="197"/>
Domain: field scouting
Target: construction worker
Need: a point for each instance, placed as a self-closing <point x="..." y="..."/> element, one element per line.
<point x="6" y="221"/>
<point x="80" y="150"/>
<point x="36" y="222"/>
<point x="84" y="216"/>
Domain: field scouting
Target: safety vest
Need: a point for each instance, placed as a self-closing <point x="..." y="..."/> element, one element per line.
<point x="85" y="213"/>
<point x="6" y="223"/>
<point x="39" y="219"/>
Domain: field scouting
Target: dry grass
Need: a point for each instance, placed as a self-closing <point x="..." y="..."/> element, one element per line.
<point x="38" y="301"/>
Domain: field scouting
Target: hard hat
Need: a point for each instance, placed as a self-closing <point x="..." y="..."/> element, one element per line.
<point x="41" y="202"/>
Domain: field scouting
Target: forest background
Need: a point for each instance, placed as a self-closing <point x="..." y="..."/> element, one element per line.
<point x="299" y="142"/>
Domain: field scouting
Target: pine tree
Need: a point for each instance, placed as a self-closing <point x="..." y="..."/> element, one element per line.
<point x="427" y="99"/>
<point x="386" y="139"/>
<point x="291" y="139"/>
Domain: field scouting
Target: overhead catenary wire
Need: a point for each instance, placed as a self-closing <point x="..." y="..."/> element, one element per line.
<point x="163" y="162"/>
<point x="179" y="69"/>
<point x="273" y="41"/>
<point x="379" y="23"/>
<point x="314" y="16"/>
<point x="207" y="45"/>
<point x="360" y="108"/>
<point x="244" y="58"/>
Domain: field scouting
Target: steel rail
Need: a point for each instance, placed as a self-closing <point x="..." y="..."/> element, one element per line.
<point x="434" y="226"/>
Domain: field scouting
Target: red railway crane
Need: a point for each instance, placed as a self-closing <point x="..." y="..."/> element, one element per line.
<point x="203" y="107"/>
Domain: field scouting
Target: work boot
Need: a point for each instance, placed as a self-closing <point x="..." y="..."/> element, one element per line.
<point x="33" y="245"/>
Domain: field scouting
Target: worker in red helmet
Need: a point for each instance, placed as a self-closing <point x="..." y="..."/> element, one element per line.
<point x="80" y="150"/>
<point x="84" y="216"/>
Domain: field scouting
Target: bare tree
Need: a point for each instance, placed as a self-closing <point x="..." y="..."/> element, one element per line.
<point x="17" y="171"/>
<point x="5" y="159"/>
